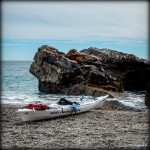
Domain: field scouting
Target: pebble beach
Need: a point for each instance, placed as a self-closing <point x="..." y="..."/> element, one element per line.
<point x="96" y="129"/>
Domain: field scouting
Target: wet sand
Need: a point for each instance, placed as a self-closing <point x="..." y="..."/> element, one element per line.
<point x="97" y="129"/>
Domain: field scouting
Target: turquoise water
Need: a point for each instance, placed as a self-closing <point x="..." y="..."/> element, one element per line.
<point x="21" y="87"/>
<point x="17" y="82"/>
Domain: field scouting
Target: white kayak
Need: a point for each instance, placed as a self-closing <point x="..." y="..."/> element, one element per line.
<point x="55" y="110"/>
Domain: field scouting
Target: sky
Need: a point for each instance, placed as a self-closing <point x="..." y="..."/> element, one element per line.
<point x="26" y="26"/>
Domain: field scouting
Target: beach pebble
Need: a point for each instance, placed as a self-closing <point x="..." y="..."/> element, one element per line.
<point x="92" y="130"/>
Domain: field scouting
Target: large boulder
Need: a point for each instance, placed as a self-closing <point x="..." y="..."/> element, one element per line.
<point x="91" y="71"/>
<point x="116" y="105"/>
<point x="133" y="71"/>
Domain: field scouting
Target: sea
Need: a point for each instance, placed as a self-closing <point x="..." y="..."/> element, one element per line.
<point x="20" y="87"/>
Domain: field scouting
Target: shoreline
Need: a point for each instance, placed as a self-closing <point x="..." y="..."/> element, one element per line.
<point x="95" y="129"/>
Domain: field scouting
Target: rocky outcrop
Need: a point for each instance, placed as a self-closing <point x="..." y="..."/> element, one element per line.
<point x="116" y="105"/>
<point x="91" y="71"/>
<point x="133" y="71"/>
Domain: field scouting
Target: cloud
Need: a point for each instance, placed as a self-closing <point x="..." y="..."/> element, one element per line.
<point x="78" y="21"/>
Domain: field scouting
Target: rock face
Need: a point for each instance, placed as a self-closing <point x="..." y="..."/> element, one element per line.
<point x="147" y="96"/>
<point x="91" y="71"/>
